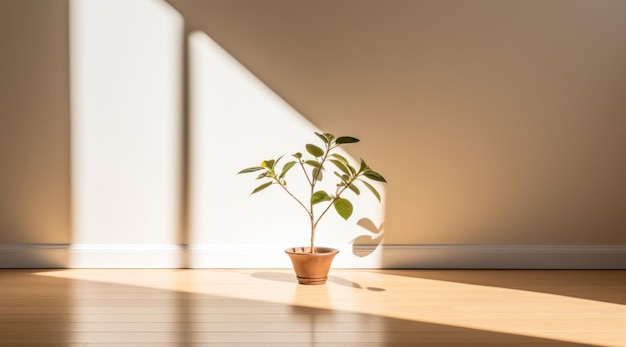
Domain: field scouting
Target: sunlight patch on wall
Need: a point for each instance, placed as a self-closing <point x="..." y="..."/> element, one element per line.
<point x="127" y="132"/>
<point x="236" y="122"/>
<point x="125" y="76"/>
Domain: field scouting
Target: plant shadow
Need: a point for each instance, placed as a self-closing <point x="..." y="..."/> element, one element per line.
<point x="365" y="245"/>
<point x="290" y="278"/>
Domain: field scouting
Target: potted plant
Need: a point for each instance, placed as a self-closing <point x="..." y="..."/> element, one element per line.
<point x="312" y="263"/>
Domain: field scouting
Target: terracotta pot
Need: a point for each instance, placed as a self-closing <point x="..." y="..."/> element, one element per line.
<point x="311" y="268"/>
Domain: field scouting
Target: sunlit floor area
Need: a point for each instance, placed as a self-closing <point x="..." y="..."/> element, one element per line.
<point x="255" y="307"/>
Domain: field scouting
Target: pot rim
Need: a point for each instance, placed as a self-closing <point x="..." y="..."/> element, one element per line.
<point x="306" y="250"/>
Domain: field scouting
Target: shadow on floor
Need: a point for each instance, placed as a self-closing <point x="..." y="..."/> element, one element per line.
<point x="289" y="278"/>
<point x="70" y="312"/>
<point x="598" y="285"/>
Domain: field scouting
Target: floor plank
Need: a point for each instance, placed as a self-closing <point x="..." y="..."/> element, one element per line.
<point x="162" y="308"/>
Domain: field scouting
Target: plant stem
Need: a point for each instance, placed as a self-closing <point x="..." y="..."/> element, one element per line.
<point x="313" y="224"/>
<point x="312" y="182"/>
<point x="309" y="210"/>
<point x="312" y="215"/>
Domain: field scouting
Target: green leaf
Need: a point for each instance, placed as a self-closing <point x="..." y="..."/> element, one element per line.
<point x="298" y="155"/>
<point x="251" y="169"/>
<point x="324" y="138"/>
<point x="286" y="168"/>
<point x="263" y="175"/>
<point x="346" y="139"/>
<point x="374" y="176"/>
<point x="364" y="166"/>
<point x="320" y="196"/>
<point x="340" y="158"/>
<point x="317" y="174"/>
<point x="372" y="189"/>
<point x="330" y="137"/>
<point x="340" y="166"/>
<point x="355" y="189"/>
<point x="352" y="170"/>
<point x="314" y="150"/>
<point x="261" y="187"/>
<point x="343" y="207"/>
<point x="313" y="163"/>
<point x="268" y="164"/>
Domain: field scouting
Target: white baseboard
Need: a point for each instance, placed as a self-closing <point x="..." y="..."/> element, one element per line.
<point x="34" y="256"/>
<point x="91" y="256"/>
<point x="124" y="256"/>
<point x="504" y="256"/>
<point x="350" y="256"/>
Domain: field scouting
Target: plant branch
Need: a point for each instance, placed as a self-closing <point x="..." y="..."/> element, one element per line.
<point x="320" y="155"/>
<point x="305" y="173"/>
<point x="339" y="192"/>
<point x="309" y="212"/>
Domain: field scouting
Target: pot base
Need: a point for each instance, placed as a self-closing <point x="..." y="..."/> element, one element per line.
<point x="311" y="268"/>
<point x="311" y="281"/>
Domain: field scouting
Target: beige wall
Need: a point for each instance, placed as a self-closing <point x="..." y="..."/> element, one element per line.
<point x="34" y="122"/>
<point x="494" y="122"/>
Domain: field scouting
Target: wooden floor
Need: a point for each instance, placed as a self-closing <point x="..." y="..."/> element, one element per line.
<point x="114" y="308"/>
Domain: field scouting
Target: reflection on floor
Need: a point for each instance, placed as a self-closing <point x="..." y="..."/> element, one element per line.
<point x="355" y="308"/>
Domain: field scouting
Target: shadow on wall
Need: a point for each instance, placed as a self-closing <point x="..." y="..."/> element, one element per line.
<point x="495" y="123"/>
<point x="228" y="104"/>
<point x="35" y="203"/>
<point x="125" y="150"/>
<point x="490" y="129"/>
